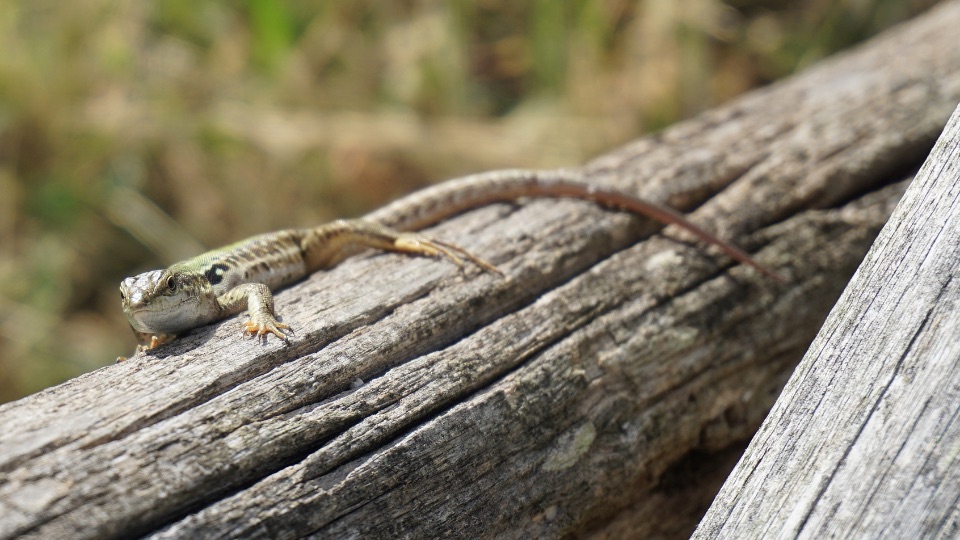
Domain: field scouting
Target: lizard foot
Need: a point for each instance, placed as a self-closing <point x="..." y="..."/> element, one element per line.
<point x="147" y="342"/>
<point x="261" y="329"/>
<point x="424" y="245"/>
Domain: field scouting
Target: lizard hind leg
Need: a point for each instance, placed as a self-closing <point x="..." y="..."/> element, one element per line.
<point x="325" y="246"/>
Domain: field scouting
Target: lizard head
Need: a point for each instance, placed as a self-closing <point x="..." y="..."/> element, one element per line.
<point x="167" y="301"/>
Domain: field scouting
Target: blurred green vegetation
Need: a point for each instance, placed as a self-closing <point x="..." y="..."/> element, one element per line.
<point x="132" y="134"/>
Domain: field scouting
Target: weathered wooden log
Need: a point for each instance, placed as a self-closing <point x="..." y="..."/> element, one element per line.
<point x="569" y="397"/>
<point x="863" y="441"/>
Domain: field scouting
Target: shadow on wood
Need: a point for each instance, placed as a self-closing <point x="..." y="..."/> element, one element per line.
<point x="416" y="400"/>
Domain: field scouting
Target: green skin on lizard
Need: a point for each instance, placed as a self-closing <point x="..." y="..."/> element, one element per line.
<point x="163" y="303"/>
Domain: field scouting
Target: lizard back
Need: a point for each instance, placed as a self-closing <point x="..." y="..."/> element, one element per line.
<point x="274" y="259"/>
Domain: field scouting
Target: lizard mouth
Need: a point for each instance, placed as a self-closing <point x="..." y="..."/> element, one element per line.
<point x="139" y="312"/>
<point x="144" y="319"/>
<point x="137" y="318"/>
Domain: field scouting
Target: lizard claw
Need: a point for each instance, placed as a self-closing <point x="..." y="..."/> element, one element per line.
<point x="264" y="328"/>
<point x="424" y="245"/>
<point x="448" y="250"/>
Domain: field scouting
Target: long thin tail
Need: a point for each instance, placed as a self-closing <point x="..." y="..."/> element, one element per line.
<point x="445" y="200"/>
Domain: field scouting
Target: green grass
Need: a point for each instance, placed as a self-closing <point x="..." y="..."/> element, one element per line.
<point x="132" y="134"/>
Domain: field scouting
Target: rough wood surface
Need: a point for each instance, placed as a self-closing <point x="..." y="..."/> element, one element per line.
<point x="863" y="441"/>
<point x="570" y="397"/>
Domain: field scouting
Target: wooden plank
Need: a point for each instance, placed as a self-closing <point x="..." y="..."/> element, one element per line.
<point x="415" y="400"/>
<point x="863" y="442"/>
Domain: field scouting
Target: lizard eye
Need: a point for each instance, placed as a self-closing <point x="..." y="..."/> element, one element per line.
<point x="171" y="283"/>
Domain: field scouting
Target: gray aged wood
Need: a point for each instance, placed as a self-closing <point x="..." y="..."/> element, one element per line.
<point x="581" y="394"/>
<point x="864" y="440"/>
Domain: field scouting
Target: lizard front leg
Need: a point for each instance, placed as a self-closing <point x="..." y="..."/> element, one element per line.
<point x="147" y="341"/>
<point x="257" y="299"/>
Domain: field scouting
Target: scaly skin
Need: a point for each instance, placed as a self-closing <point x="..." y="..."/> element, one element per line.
<point x="163" y="303"/>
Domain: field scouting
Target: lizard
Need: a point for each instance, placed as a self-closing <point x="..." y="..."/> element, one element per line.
<point x="161" y="304"/>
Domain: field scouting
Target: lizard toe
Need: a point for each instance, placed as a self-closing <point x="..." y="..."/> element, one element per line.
<point x="264" y="328"/>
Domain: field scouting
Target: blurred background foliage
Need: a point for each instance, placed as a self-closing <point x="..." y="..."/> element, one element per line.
<point x="134" y="134"/>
